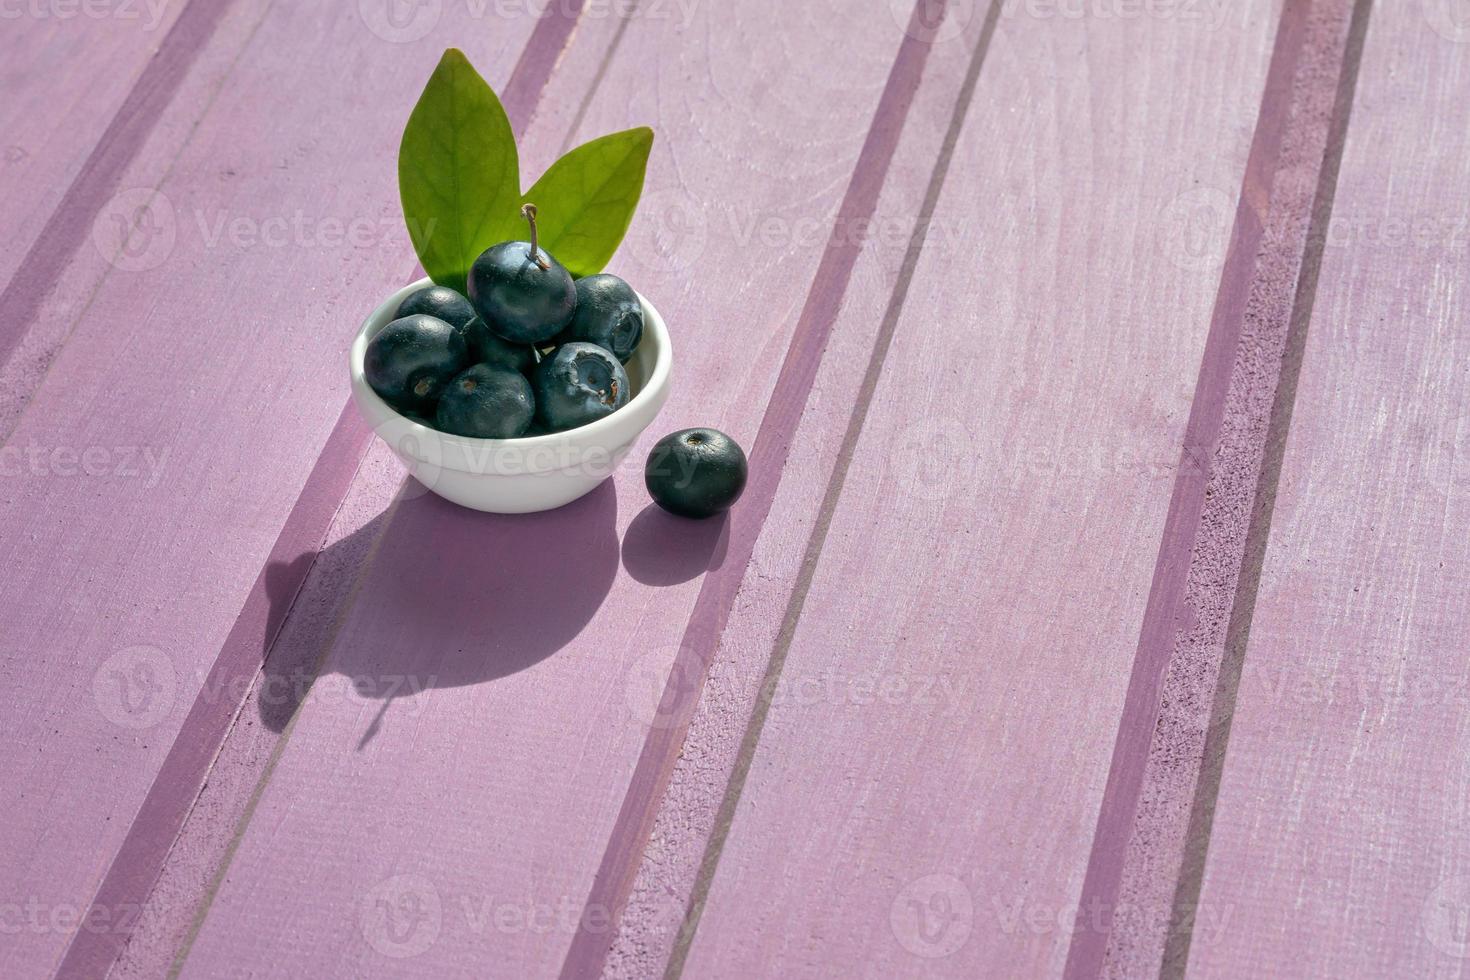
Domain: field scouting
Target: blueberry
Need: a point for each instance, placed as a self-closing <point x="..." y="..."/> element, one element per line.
<point x="608" y="315"/>
<point x="409" y="361"/>
<point x="695" y="472"/>
<point x="520" y="291"/>
<point x="486" y="402"/>
<point x="580" y="383"/>
<point x="455" y="310"/>
<point x="440" y="301"/>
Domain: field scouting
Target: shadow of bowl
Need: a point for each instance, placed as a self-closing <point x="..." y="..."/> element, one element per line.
<point x="454" y="596"/>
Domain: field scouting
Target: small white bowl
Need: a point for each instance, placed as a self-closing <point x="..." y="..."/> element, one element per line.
<point x="518" y="476"/>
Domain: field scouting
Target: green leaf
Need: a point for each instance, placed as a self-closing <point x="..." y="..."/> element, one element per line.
<point x="585" y="201"/>
<point x="458" y="173"/>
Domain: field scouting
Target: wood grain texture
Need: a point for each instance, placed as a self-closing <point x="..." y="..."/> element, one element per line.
<point x="144" y="74"/>
<point x="719" y="707"/>
<point x="202" y="847"/>
<point x="924" y="790"/>
<point x="64" y="78"/>
<point x="176" y="430"/>
<point x="1139" y="889"/>
<point x="1339" y="835"/>
<point x="769" y="455"/>
<point x="488" y="797"/>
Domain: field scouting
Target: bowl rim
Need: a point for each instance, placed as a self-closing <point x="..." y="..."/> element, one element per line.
<point x="647" y="395"/>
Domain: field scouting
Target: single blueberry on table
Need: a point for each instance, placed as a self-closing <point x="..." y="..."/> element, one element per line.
<point x="520" y="291"/>
<point x="608" y="315"/>
<point x="695" y="472"/>
<point x="580" y="383"/>
<point x="410" y="360"/>
<point x="486" y="402"/>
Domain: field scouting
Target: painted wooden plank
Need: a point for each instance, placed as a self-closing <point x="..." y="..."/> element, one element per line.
<point x="1339" y="834"/>
<point x="89" y="88"/>
<point x="490" y="797"/>
<point x="152" y="476"/>
<point x="1141" y="859"/>
<point x="719" y="708"/>
<point x="167" y="919"/>
<point x="64" y="75"/>
<point x="925" y="787"/>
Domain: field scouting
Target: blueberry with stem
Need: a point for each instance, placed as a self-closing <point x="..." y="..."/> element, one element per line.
<point x="521" y="292"/>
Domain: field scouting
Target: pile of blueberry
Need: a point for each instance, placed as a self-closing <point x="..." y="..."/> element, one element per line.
<point x="530" y="352"/>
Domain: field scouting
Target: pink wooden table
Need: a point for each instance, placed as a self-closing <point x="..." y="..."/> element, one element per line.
<point x="1096" y="606"/>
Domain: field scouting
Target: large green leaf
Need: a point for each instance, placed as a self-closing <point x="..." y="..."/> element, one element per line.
<point x="586" y="200"/>
<point x="458" y="173"/>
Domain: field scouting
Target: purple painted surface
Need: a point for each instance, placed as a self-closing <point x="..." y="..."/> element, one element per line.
<point x="1127" y="912"/>
<point x="1339" y="843"/>
<point x="711" y="612"/>
<point x="668" y="872"/>
<point x="537" y="689"/>
<point x="879" y="721"/>
<point x="1001" y="545"/>
<point x="140" y="857"/>
<point x="172" y="458"/>
<point x="67" y="84"/>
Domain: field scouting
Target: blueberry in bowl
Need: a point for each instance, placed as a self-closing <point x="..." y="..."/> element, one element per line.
<point x="410" y="360"/>
<point x="523" y="294"/>
<point x="486" y="401"/>
<point x="439" y="301"/>
<point x="608" y="315"/>
<point x="538" y="470"/>
<point x="484" y="346"/>
<point x="578" y="384"/>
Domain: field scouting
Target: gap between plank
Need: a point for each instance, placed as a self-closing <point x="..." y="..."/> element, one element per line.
<point x="1207" y="790"/>
<point x="725" y="818"/>
<point x="136" y="866"/>
<point x="629" y="835"/>
<point x="1165" y="612"/>
<point x="139" y="860"/>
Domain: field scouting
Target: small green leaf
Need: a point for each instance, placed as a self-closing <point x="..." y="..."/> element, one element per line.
<point x="458" y="172"/>
<point x="585" y="201"/>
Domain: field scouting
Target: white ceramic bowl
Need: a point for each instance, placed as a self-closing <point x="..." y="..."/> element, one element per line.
<point x="518" y="476"/>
